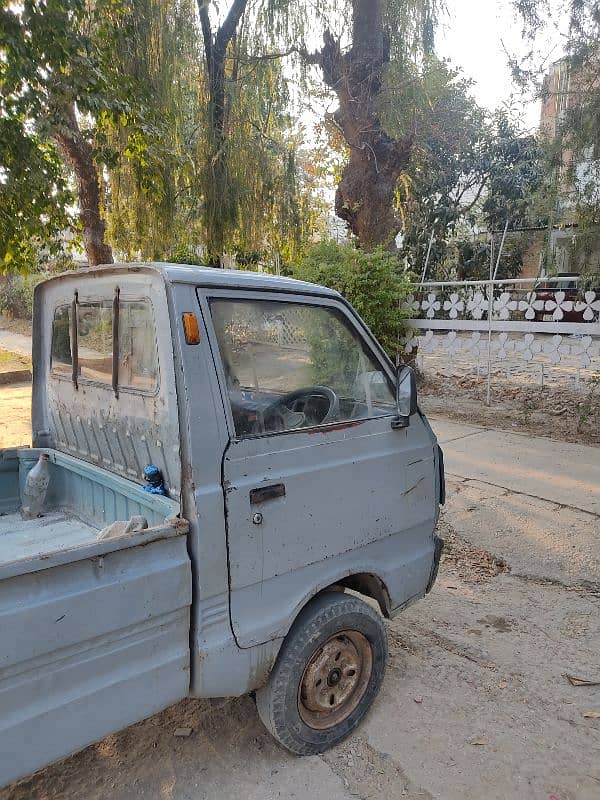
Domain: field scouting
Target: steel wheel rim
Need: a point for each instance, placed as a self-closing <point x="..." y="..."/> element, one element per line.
<point x="335" y="680"/>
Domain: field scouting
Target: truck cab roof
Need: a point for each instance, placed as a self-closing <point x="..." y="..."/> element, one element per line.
<point x="206" y="276"/>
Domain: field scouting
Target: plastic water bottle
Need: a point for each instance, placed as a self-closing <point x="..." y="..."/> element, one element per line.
<point x="36" y="487"/>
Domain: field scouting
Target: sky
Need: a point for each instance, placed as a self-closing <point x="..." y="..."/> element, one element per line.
<point x="473" y="35"/>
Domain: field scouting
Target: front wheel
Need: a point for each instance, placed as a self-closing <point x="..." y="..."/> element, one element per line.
<point x="327" y="675"/>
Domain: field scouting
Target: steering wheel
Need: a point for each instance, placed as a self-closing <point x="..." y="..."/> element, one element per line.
<point x="286" y="413"/>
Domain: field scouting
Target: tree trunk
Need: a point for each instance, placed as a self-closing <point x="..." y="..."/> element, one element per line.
<point x="365" y="197"/>
<point x="77" y="152"/>
<point x="218" y="203"/>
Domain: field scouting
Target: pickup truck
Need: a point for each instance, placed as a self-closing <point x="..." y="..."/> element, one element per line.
<point x="299" y="479"/>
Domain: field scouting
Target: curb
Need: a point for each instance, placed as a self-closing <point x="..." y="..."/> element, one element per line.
<point x="15" y="376"/>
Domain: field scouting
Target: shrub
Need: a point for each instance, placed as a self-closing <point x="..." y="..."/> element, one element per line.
<point x="16" y="296"/>
<point x="374" y="283"/>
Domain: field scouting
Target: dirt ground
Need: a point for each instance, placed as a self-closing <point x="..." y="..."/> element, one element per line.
<point x="557" y="413"/>
<point x="476" y="702"/>
<point x="15" y="415"/>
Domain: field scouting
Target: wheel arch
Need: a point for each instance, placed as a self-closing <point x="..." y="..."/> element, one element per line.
<point x="367" y="584"/>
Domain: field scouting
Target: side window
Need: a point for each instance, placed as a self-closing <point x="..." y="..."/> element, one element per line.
<point x="138" y="363"/>
<point x="94" y="340"/>
<point x="292" y="365"/>
<point x="61" y="341"/>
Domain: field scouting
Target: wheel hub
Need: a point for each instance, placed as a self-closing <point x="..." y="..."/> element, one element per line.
<point x="334" y="677"/>
<point x="335" y="680"/>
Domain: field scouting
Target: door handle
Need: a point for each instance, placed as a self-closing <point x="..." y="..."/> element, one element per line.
<point x="264" y="493"/>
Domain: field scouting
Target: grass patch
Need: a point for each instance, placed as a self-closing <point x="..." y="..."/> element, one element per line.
<point x="10" y="361"/>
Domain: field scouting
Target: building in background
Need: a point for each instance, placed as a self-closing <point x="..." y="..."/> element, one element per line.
<point x="577" y="175"/>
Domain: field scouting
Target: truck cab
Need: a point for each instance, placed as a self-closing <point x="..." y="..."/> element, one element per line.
<point x="300" y="493"/>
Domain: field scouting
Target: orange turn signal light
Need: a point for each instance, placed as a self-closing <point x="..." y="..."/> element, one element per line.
<point x="191" y="328"/>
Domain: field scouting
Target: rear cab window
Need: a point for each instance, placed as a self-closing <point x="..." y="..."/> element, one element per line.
<point x="94" y="336"/>
<point x="137" y="347"/>
<point x="62" y="361"/>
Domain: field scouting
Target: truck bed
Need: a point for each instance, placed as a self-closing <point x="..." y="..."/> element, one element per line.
<point x="82" y="500"/>
<point x="94" y="631"/>
<point x="39" y="538"/>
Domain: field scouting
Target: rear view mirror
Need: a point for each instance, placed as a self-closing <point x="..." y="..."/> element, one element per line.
<point x="406" y="396"/>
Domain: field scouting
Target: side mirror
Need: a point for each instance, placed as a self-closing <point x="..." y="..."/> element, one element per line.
<point x="406" y="396"/>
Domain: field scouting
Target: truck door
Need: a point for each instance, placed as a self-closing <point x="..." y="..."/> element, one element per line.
<point x="317" y="484"/>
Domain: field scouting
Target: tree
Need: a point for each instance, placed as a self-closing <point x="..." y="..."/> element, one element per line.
<point x="220" y="206"/>
<point x="150" y="150"/>
<point x="447" y="174"/>
<point x="34" y="198"/>
<point x="469" y="170"/>
<point x="48" y="81"/>
<point x="365" y="196"/>
<point x="573" y="149"/>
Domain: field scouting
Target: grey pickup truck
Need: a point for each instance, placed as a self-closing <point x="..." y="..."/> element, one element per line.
<point x="291" y="475"/>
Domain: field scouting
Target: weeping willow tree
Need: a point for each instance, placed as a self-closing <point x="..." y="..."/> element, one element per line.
<point x="241" y="41"/>
<point x="192" y="171"/>
<point x="149" y="149"/>
<point x="258" y="192"/>
<point x="209" y="153"/>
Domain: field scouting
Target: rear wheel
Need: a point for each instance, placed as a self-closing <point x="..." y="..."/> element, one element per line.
<point x="328" y="672"/>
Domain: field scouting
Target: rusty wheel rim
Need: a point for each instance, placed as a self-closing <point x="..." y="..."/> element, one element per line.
<point x="335" y="680"/>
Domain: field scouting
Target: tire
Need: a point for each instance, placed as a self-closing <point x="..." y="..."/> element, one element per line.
<point x="310" y="703"/>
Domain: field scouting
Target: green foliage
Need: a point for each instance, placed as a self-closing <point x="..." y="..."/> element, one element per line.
<point x="34" y="198"/>
<point x="373" y="282"/>
<point x="468" y="258"/>
<point x="16" y="297"/>
<point x="135" y="73"/>
<point x="516" y="173"/>
<point x="149" y="142"/>
<point x="49" y="66"/>
<point x="36" y="51"/>
<point x="468" y="170"/>
<point x="259" y="194"/>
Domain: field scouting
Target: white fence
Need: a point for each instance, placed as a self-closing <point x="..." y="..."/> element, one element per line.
<point x="528" y="332"/>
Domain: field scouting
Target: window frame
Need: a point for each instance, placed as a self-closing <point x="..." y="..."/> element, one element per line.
<point x="123" y="298"/>
<point x="339" y="305"/>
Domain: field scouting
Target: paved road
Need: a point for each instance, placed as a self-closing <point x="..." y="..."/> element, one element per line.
<point x="568" y="474"/>
<point x="475" y="702"/>
<point x="15" y="342"/>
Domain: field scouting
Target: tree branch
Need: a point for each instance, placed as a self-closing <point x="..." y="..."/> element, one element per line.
<point x="206" y="31"/>
<point x="312" y="58"/>
<point x="227" y="30"/>
<point x="475" y="199"/>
